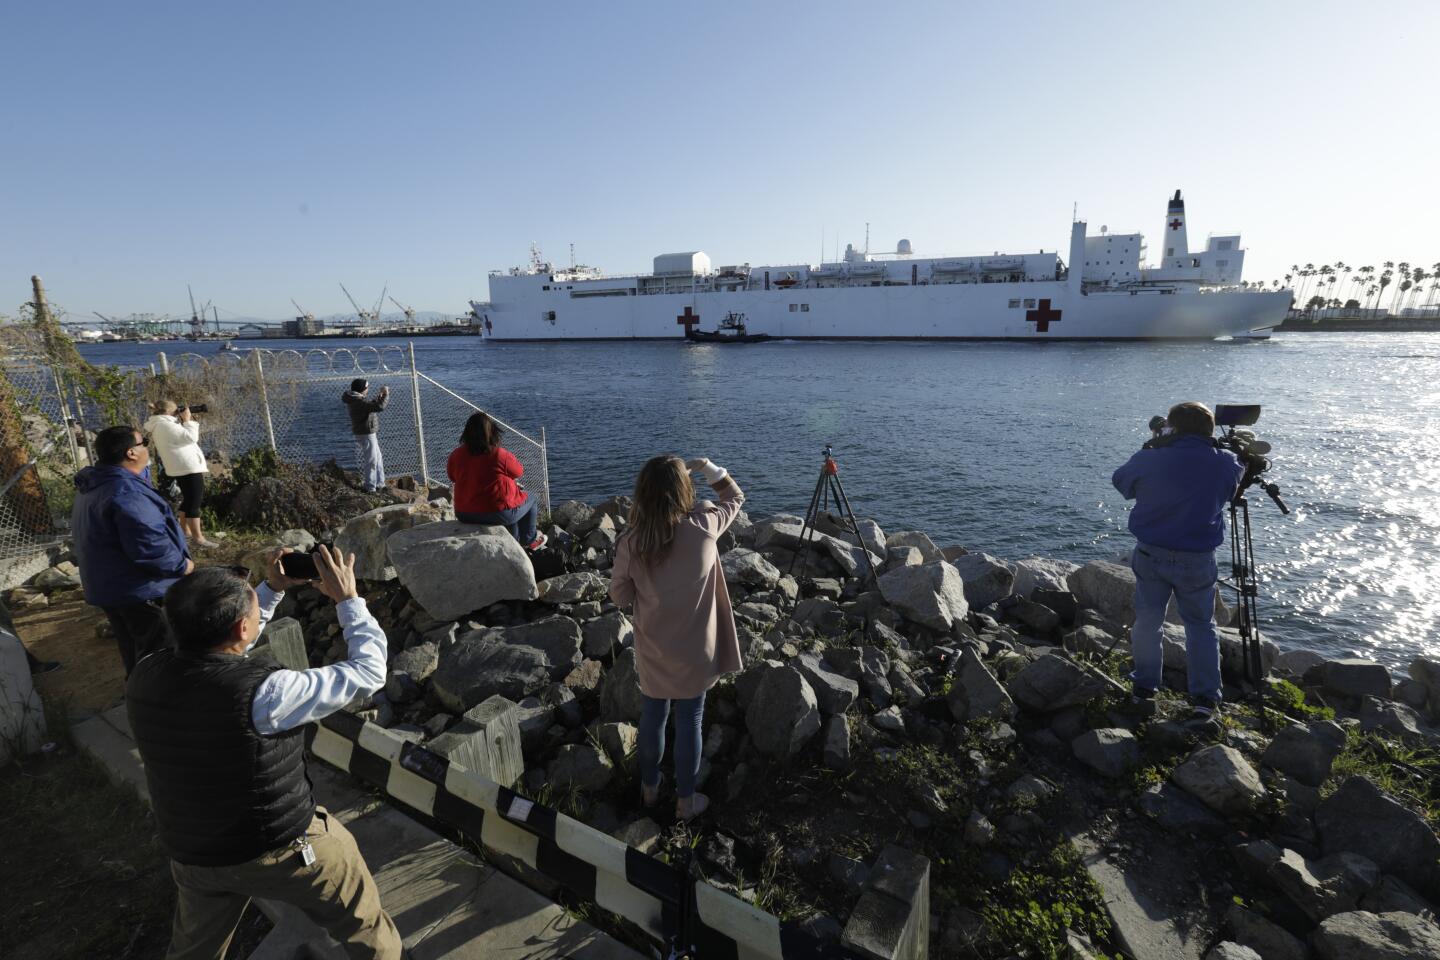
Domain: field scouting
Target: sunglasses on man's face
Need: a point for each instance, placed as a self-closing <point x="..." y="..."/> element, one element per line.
<point x="142" y="442"/>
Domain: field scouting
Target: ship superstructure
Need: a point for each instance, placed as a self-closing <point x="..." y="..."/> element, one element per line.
<point x="1104" y="290"/>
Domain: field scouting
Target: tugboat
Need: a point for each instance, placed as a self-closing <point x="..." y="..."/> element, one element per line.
<point x="731" y="330"/>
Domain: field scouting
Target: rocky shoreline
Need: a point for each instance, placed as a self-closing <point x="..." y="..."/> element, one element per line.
<point x="966" y="707"/>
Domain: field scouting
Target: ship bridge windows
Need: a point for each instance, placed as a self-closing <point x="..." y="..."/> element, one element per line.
<point x="1222" y="264"/>
<point x="1223" y="245"/>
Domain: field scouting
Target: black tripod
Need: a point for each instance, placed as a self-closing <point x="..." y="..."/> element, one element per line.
<point x="828" y="488"/>
<point x="1247" y="587"/>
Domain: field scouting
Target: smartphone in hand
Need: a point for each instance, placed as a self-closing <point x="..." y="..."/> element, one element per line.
<point x="300" y="566"/>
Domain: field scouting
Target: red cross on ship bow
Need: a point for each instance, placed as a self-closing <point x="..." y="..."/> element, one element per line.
<point x="1042" y="316"/>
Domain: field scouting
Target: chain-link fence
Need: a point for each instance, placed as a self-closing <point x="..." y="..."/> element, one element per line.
<point x="291" y="400"/>
<point x="39" y="452"/>
<point x="287" y="400"/>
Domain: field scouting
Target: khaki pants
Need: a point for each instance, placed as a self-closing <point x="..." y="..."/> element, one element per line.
<point x="336" y="891"/>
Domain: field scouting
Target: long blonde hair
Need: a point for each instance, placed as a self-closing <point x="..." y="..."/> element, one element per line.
<point x="663" y="496"/>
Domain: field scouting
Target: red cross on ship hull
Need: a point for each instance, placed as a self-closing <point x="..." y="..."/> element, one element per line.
<point x="1042" y="316"/>
<point x="688" y="319"/>
<point x="1176" y="224"/>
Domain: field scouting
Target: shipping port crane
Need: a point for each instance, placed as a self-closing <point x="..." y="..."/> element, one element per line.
<point x="367" y="317"/>
<point x="408" y="311"/>
<point x="199" y="315"/>
<point x="305" y="315"/>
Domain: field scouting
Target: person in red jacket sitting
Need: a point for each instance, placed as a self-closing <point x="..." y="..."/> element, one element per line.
<point x="484" y="474"/>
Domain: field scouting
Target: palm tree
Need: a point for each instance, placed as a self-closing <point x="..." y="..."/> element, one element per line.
<point x="1404" y="271"/>
<point x="1385" y="280"/>
<point x="1419" y="276"/>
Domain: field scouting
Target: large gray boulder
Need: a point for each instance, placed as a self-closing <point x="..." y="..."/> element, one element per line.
<point x="1229" y="950"/>
<point x="1370" y="936"/>
<point x="620" y="697"/>
<point x="932" y="594"/>
<point x="1220" y="777"/>
<point x="1106" y="587"/>
<point x="871" y="538"/>
<point x="571" y="513"/>
<point x="453" y="568"/>
<point x="1306" y="752"/>
<point x="1110" y="752"/>
<point x="1297" y="662"/>
<point x="987" y="579"/>
<point x="367" y="535"/>
<point x="833" y="693"/>
<point x="975" y="693"/>
<point x="835" y="743"/>
<point x="486" y="741"/>
<point x="920" y="541"/>
<point x="1392" y="717"/>
<point x="1355" y="678"/>
<point x="409" y="669"/>
<point x="573" y="587"/>
<point x="1041" y="573"/>
<point x="1426" y="671"/>
<point x="607" y="634"/>
<point x="1320" y="888"/>
<point x="1052" y="683"/>
<point x="783" y="714"/>
<point x="582" y="766"/>
<point x="1360" y="818"/>
<point x="558" y="638"/>
<point x="746" y="567"/>
<point x="1267" y="938"/>
<point x="479" y="665"/>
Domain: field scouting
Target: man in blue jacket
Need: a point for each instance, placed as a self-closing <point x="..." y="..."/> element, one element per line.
<point x="127" y="541"/>
<point x="1181" y="485"/>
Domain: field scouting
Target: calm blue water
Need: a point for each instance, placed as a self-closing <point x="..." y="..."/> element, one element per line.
<point x="1008" y="448"/>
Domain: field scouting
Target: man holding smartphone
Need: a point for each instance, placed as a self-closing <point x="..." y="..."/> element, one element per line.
<point x="222" y="738"/>
<point x="365" y="424"/>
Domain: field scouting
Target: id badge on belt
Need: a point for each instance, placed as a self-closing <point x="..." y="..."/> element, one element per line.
<point x="307" y="852"/>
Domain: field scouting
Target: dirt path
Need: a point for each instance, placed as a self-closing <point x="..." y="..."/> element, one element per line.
<point x="92" y="677"/>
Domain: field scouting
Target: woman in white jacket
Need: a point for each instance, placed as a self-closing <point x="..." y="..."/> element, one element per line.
<point x="177" y="441"/>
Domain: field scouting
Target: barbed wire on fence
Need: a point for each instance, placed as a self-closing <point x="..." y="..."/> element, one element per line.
<point x="286" y="399"/>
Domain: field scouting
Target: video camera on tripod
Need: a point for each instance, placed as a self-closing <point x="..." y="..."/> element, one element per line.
<point x="1251" y="452"/>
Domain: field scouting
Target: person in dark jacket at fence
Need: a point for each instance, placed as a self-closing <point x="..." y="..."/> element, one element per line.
<point x="223" y="740"/>
<point x="365" y="424"/>
<point x="127" y="541"/>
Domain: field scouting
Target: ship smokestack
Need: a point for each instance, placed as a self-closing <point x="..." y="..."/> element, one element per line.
<point x="1176" y="245"/>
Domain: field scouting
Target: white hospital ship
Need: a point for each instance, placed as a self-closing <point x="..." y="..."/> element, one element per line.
<point x="1104" y="291"/>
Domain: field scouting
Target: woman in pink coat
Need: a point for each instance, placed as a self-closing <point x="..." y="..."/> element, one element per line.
<point x="668" y="567"/>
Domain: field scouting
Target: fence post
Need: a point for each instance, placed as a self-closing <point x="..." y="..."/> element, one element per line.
<point x="164" y="363"/>
<point x="545" y="466"/>
<point x="70" y="421"/>
<point x="264" y="398"/>
<point x="419" y="416"/>
<point x="80" y="419"/>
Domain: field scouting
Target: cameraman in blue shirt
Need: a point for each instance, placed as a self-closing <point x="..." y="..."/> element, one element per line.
<point x="1181" y="483"/>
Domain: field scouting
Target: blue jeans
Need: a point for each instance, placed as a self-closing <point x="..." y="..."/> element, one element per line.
<point x="520" y="521"/>
<point x="688" y="714"/>
<point x="1191" y="578"/>
<point x="370" y="461"/>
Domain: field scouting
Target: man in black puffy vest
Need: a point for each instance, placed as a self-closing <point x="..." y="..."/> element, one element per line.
<point x="222" y="738"/>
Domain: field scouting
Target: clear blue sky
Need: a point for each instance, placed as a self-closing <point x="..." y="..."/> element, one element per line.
<point x="263" y="151"/>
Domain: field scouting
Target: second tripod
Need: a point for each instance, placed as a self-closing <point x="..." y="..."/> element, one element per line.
<point x="828" y="488"/>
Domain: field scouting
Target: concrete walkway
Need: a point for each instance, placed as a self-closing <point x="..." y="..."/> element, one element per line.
<point x="446" y="903"/>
